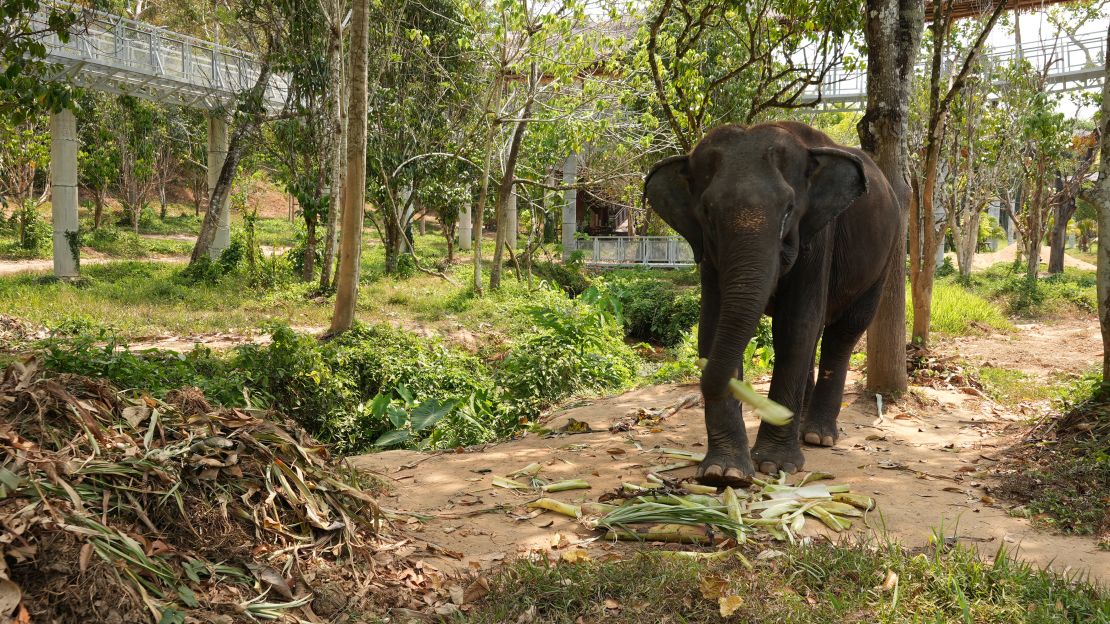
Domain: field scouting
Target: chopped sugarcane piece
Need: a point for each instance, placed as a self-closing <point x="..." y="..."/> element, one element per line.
<point x="675" y="466"/>
<point x="505" y="482"/>
<point x="570" y="484"/>
<point x="689" y="456"/>
<point x="642" y="487"/>
<point x="597" y="509"/>
<point x="814" y="476"/>
<point x="767" y="410"/>
<point x="654" y="478"/>
<point x="530" y="470"/>
<point x="840" y="509"/>
<point x="833" y="522"/>
<point x="732" y="504"/>
<point x="860" y="501"/>
<point x="675" y="533"/>
<point x="550" y="504"/>
<point x="697" y="488"/>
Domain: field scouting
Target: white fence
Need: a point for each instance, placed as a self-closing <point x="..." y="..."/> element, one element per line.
<point x="631" y="251"/>
<point x="120" y="55"/>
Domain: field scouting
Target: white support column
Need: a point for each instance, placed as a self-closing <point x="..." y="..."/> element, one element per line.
<point x="63" y="193"/>
<point x="217" y="153"/>
<point x="511" y="233"/>
<point x="465" y="231"/>
<point x="570" y="205"/>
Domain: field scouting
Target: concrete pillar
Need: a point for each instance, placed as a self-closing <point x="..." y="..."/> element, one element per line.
<point x="217" y="153"/>
<point x="465" y="231"/>
<point x="511" y="229"/>
<point x="570" y="204"/>
<point x="63" y="193"/>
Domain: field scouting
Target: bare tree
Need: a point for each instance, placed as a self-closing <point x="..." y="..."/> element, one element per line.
<point x="1104" y="219"/>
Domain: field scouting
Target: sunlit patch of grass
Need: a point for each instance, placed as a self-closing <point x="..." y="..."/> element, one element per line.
<point x="956" y="311"/>
<point x="1070" y="292"/>
<point x="816" y="584"/>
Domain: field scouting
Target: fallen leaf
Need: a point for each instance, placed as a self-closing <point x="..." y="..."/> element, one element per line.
<point x="890" y="581"/>
<point x="729" y="604"/>
<point x="10" y="595"/>
<point x="769" y="554"/>
<point x="713" y="587"/>
<point x="575" y="555"/>
<point x="615" y="450"/>
<point x="612" y="604"/>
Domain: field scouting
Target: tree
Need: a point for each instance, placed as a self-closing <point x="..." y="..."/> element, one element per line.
<point x="1103" y="278"/>
<point x="135" y="128"/>
<point x="333" y="15"/>
<point x="1069" y="185"/>
<point x="354" y="194"/>
<point x="923" y="231"/>
<point x="715" y="61"/>
<point x="893" y="34"/>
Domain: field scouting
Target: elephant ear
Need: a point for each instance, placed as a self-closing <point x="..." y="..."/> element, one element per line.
<point x="667" y="189"/>
<point x="836" y="179"/>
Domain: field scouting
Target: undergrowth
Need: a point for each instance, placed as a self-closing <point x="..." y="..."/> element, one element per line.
<point x="1061" y="470"/>
<point x="815" y="584"/>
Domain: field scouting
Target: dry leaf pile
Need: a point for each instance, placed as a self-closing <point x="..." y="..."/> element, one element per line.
<point x="927" y="368"/>
<point x="121" y="510"/>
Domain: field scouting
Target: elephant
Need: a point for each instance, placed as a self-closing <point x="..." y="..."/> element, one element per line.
<point x="785" y="222"/>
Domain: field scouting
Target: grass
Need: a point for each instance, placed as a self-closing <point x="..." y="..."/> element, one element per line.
<point x="1086" y="256"/>
<point x="1071" y="292"/>
<point x="816" y="584"/>
<point x="958" y="311"/>
<point x="1012" y="387"/>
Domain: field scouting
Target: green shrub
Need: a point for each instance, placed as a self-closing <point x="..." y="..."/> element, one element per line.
<point x="153" y="371"/>
<point x="1073" y="290"/>
<point x="655" y="309"/>
<point x="569" y="277"/>
<point x="579" y="348"/>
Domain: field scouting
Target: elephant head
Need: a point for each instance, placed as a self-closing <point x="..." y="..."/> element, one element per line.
<point x="747" y="200"/>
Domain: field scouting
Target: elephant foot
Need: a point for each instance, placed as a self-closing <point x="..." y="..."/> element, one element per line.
<point x="820" y="431"/>
<point x="774" y="457"/>
<point x="726" y="469"/>
<point x="727" y="462"/>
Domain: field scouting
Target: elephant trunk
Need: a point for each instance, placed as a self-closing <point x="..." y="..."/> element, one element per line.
<point x="744" y="295"/>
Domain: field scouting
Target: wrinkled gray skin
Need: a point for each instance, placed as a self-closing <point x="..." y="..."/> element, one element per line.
<point x="783" y="222"/>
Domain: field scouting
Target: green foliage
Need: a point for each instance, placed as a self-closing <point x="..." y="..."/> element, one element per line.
<point x="655" y="310"/>
<point x="1071" y="291"/>
<point x="567" y="276"/>
<point x="98" y="354"/>
<point x="579" y="348"/>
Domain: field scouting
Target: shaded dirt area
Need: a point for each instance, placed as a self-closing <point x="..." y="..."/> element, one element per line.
<point x="927" y="461"/>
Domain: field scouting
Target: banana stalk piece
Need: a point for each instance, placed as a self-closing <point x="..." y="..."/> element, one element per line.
<point x="767" y="410"/>
<point x="550" y="504"/>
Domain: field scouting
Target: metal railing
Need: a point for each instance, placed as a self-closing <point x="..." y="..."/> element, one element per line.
<point x="1070" y="60"/>
<point x="120" y="55"/>
<point x="631" y="251"/>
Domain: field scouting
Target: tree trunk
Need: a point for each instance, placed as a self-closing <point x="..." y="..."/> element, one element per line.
<point x="504" y="196"/>
<point x="477" y="213"/>
<point x="98" y="208"/>
<point x="1058" y="237"/>
<point x="1103" y="197"/>
<point x="235" y="146"/>
<point x="1034" y="229"/>
<point x="162" y="200"/>
<point x="893" y="34"/>
<point x="309" y="269"/>
<point x="335" y="177"/>
<point x="967" y="240"/>
<point x="354" y="197"/>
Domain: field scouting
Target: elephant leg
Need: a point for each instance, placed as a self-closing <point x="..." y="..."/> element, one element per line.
<point x="727" y="461"/>
<point x="819" y="427"/>
<point x="778" y="447"/>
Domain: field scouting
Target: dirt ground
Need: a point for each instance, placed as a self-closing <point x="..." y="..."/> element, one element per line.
<point x="927" y="462"/>
<point x="1007" y="254"/>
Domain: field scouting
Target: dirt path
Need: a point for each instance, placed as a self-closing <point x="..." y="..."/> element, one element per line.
<point x="1007" y="254"/>
<point x="926" y="462"/>
<point x="1067" y="345"/>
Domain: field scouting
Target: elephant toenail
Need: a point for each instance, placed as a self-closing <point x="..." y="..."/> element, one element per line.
<point x="770" y="468"/>
<point x="813" y="438"/>
<point x="713" y="471"/>
<point x="789" y="468"/>
<point x="828" y="441"/>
